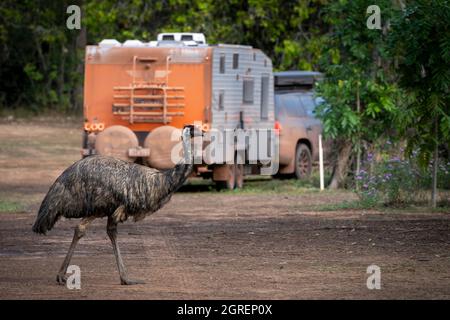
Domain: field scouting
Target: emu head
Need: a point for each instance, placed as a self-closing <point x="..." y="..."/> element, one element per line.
<point x="188" y="132"/>
<point x="191" y="131"/>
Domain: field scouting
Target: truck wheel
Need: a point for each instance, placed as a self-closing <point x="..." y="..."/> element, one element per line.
<point x="239" y="176"/>
<point x="230" y="182"/>
<point x="303" y="162"/>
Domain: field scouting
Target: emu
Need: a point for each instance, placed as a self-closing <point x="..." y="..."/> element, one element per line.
<point x="98" y="186"/>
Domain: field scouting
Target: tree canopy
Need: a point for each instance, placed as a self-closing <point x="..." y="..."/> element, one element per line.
<point x="420" y="41"/>
<point x="360" y="96"/>
<point x="42" y="60"/>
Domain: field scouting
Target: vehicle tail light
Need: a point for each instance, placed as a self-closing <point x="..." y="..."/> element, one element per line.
<point x="277" y="127"/>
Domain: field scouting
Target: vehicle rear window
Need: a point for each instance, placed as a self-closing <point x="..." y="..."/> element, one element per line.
<point x="291" y="105"/>
<point x="308" y="105"/>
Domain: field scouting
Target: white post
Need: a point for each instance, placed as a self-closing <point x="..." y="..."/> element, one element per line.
<point x="322" y="183"/>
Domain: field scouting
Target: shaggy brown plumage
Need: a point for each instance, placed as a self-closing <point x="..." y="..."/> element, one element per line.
<point x="98" y="186"/>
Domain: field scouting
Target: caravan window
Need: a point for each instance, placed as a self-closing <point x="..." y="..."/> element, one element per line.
<point x="248" y="88"/>
<point x="221" y="99"/>
<point x="235" y="60"/>
<point x="264" y="97"/>
<point x="222" y="63"/>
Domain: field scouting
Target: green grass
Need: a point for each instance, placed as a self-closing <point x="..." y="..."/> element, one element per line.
<point x="276" y="186"/>
<point x="22" y="113"/>
<point x="10" y="206"/>
<point x="260" y="185"/>
<point x="256" y="185"/>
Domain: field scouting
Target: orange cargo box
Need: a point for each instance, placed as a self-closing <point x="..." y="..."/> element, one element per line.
<point x="136" y="93"/>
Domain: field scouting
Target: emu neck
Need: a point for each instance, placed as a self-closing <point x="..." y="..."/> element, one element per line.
<point x="174" y="178"/>
<point x="184" y="168"/>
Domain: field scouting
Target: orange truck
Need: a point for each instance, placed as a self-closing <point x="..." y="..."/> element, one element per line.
<point x="136" y="94"/>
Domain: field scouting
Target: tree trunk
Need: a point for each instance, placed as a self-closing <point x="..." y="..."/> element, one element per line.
<point x="60" y="81"/>
<point x="341" y="165"/>
<point x="435" y="167"/>
<point x="358" y="146"/>
<point x="78" y="51"/>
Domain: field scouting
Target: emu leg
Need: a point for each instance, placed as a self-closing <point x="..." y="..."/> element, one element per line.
<point x="80" y="231"/>
<point x="111" y="229"/>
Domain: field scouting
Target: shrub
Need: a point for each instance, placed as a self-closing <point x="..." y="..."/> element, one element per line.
<point x="397" y="181"/>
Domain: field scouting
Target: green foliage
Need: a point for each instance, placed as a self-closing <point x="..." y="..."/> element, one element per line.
<point x="420" y="41"/>
<point x="10" y="206"/>
<point x="38" y="55"/>
<point x="42" y="61"/>
<point x="354" y="58"/>
<point x="288" y="31"/>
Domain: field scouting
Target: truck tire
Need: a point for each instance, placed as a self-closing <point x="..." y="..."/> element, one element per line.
<point x="235" y="179"/>
<point x="228" y="174"/>
<point x="303" y="162"/>
<point x="234" y="176"/>
<point x="239" y="176"/>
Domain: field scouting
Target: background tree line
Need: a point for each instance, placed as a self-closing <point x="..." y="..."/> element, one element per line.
<point x="381" y="85"/>
<point x="42" y="60"/>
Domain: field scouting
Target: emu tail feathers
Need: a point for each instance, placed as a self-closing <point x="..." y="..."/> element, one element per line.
<point x="47" y="216"/>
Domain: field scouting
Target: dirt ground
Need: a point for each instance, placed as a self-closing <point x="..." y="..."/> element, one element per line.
<point x="207" y="244"/>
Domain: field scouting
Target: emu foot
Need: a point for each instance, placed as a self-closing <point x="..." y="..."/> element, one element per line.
<point x="61" y="279"/>
<point x="129" y="282"/>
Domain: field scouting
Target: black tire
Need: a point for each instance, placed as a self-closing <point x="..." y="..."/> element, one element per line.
<point x="236" y="179"/>
<point x="231" y="182"/>
<point x="303" y="162"/>
<point x="239" y="176"/>
<point x="239" y="170"/>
